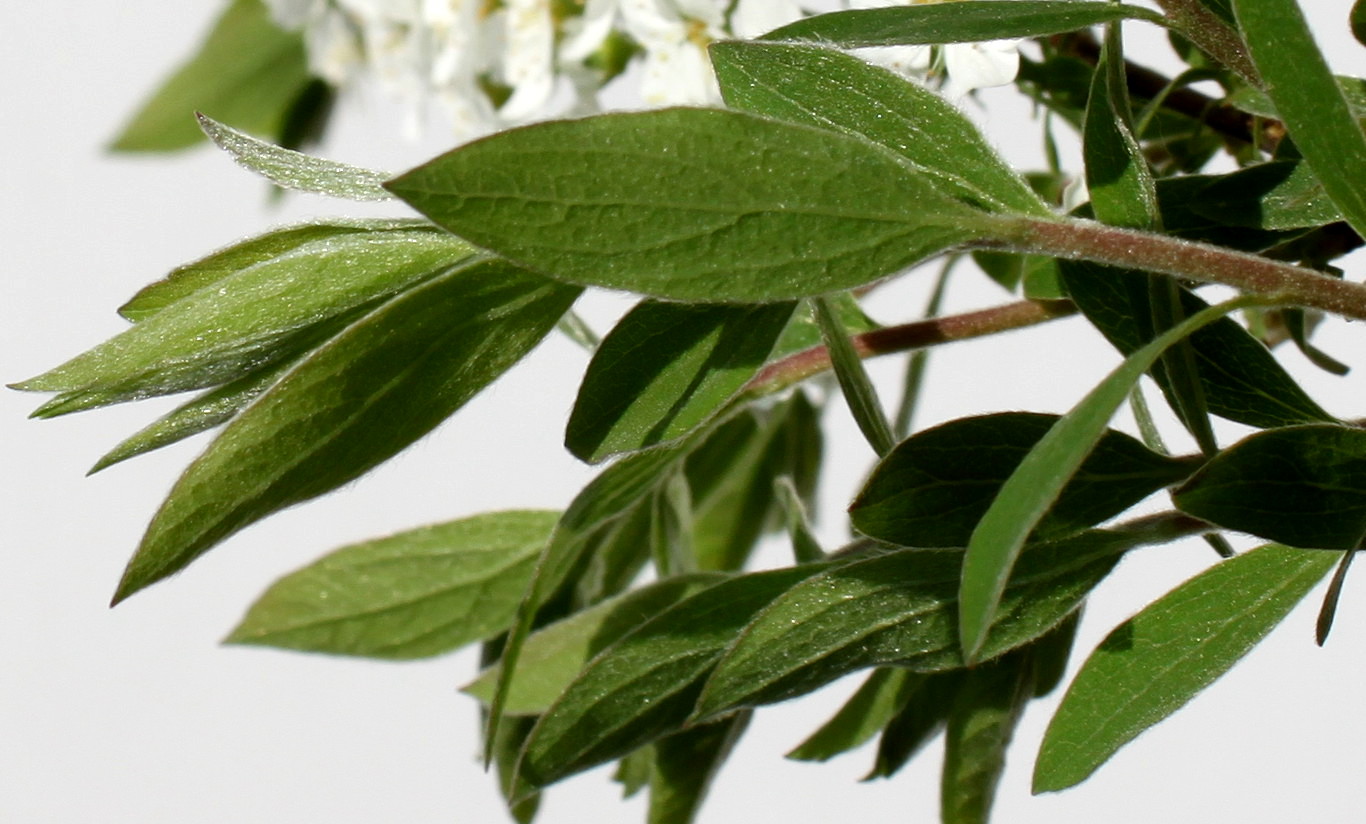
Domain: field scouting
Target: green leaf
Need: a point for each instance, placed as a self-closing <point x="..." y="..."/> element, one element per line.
<point x="248" y="319"/>
<point x="979" y="726"/>
<point x="936" y="485"/>
<point x="555" y="654"/>
<point x="665" y="369"/>
<point x="731" y="476"/>
<point x="374" y="389"/>
<point x="209" y="271"/>
<point x="248" y="73"/>
<point x="1240" y="378"/>
<point x="685" y="764"/>
<point x="1031" y="490"/>
<point x="832" y="90"/>
<point x="965" y="23"/>
<point x="1358" y="21"/>
<point x="522" y="801"/>
<point x="1299" y="485"/>
<point x="1318" y="117"/>
<point x="899" y="608"/>
<point x="868" y="710"/>
<point x="644" y="685"/>
<point x="1281" y="194"/>
<point x="215" y="407"/>
<point x="294" y="170"/>
<point x="1117" y="176"/>
<point x="1152" y="664"/>
<point x="692" y="205"/>
<point x="857" y="388"/>
<point x="918" y="722"/>
<point x="411" y="595"/>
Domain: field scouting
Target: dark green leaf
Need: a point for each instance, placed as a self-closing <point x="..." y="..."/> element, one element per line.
<point x="692" y="204"/>
<point x="411" y="595"/>
<point x="209" y="271"/>
<point x="644" y="686"/>
<point x="1306" y="95"/>
<point x="685" y="764"/>
<point x="936" y="485"/>
<point x="868" y="710"/>
<point x="1241" y="380"/>
<point x="522" y="801"/>
<point x="247" y="73"/>
<point x="371" y="391"/>
<point x="899" y="608"/>
<point x="1278" y="195"/>
<point x="1117" y="176"/>
<point x="1328" y="611"/>
<point x="731" y="475"/>
<point x="1299" y="485"/>
<point x="293" y="170"/>
<point x="832" y="90"/>
<point x="1051" y="653"/>
<point x="982" y="718"/>
<point x="1155" y="662"/>
<point x="966" y="23"/>
<point x="249" y="319"/>
<point x="1031" y="490"/>
<point x="554" y="655"/>
<point x="921" y="718"/>
<point x="665" y="369"/>
<point x="1358" y="21"/>
<point x="805" y="546"/>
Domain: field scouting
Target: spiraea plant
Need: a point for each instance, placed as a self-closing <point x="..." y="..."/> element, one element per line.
<point x="814" y="158"/>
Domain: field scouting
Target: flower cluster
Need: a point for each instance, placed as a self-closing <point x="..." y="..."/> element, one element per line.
<point x="495" y="63"/>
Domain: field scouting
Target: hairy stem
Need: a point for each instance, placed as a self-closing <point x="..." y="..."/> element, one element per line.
<point x="1280" y="283"/>
<point x="802" y="365"/>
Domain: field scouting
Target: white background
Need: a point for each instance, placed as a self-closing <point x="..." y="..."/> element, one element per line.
<point x="138" y="715"/>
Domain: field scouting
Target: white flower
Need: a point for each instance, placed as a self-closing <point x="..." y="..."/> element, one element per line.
<point x="968" y="66"/>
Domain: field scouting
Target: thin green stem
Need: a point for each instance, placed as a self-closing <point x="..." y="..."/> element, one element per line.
<point x="1278" y="283"/>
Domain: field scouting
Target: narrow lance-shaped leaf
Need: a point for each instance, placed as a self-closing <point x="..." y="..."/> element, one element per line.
<point x="900" y="608"/>
<point x="664" y="369"/>
<point x="1307" y="97"/>
<point x="1282" y="194"/>
<point x="371" y="391"/>
<point x="645" y="685"/>
<point x="692" y="205"/>
<point x="857" y="388"/>
<point x="868" y="710"/>
<point x="935" y="486"/>
<point x="959" y="23"/>
<point x="978" y="729"/>
<point x="411" y="595"/>
<point x="1240" y="378"/>
<point x="213" y="269"/>
<point x="295" y="170"/>
<point x="248" y="72"/>
<point x="554" y="655"/>
<point x="1151" y="665"/>
<point x="1299" y="485"/>
<point x="832" y="90"/>
<point x="685" y="764"/>
<point x="921" y="718"/>
<point x="1034" y="486"/>
<point x="250" y="319"/>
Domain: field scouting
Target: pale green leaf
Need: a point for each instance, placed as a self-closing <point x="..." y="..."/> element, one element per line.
<point x="411" y="595"/>
<point x="386" y="381"/>
<point x="295" y="170"/>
